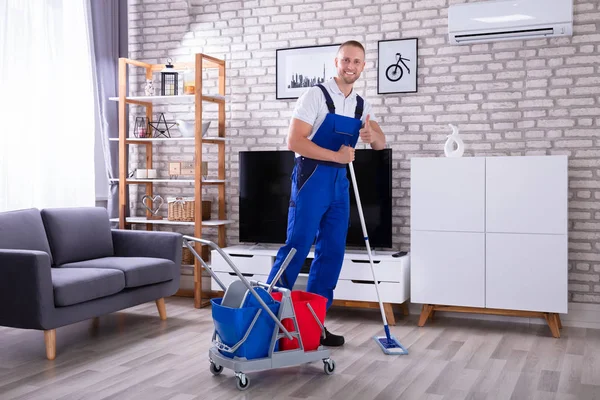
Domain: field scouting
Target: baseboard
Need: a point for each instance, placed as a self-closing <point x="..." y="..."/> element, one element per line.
<point x="580" y="315"/>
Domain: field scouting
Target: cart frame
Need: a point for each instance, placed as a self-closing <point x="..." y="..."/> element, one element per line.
<point x="275" y="359"/>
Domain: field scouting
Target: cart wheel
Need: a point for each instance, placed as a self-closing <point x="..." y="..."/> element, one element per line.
<point x="242" y="382"/>
<point x="215" y="369"/>
<point x="328" y="366"/>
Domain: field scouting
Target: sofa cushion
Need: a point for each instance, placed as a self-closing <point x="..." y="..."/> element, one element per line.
<point x="76" y="285"/>
<point x="139" y="271"/>
<point x="23" y="230"/>
<point x="78" y="234"/>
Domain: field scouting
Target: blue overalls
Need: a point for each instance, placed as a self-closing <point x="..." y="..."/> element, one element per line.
<point x="320" y="207"/>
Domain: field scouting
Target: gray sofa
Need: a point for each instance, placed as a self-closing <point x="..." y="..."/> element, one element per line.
<point x="64" y="265"/>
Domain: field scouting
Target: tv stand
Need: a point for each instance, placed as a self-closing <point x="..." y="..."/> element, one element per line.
<point x="355" y="286"/>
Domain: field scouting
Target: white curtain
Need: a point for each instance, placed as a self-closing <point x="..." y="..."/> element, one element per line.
<point x="46" y="105"/>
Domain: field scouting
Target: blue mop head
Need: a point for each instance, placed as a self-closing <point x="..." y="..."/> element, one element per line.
<point x="389" y="344"/>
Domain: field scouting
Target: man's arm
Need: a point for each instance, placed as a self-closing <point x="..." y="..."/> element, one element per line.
<point x="378" y="142"/>
<point x="298" y="142"/>
<point x="371" y="133"/>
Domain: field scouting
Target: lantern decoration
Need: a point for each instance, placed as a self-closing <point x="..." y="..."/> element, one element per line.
<point x="168" y="80"/>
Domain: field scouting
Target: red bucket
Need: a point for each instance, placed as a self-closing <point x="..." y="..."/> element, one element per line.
<point x="310" y="331"/>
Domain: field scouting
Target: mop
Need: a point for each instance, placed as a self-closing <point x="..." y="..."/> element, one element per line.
<point x="388" y="343"/>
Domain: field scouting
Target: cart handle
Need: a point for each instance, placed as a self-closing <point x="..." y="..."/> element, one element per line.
<point x="282" y="268"/>
<point x="187" y="238"/>
<point x="314" y="314"/>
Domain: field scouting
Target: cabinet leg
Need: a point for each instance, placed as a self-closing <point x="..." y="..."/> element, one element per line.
<point x="553" y="323"/>
<point x="559" y="321"/>
<point x="389" y="313"/>
<point x="405" y="311"/>
<point x="425" y="312"/>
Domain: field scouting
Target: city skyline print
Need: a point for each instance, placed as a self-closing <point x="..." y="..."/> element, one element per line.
<point x="302" y="67"/>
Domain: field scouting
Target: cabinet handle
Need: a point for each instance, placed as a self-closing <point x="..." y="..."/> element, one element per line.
<point x="365" y="261"/>
<point x="241" y="255"/>
<point x="233" y="274"/>
<point x="365" y="282"/>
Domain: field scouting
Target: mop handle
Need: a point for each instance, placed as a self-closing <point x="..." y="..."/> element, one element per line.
<point x="364" y="229"/>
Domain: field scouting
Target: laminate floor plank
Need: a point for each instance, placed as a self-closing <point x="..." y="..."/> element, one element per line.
<point x="132" y="354"/>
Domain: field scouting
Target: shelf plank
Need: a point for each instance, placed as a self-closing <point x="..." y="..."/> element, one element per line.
<point x="158" y="180"/>
<point x="144" y="220"/>
<point x="213" y="98"/>
<point x="206" y="139"/>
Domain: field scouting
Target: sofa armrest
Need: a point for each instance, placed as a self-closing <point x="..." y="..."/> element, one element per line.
<point x="26" y="293"/>
<point x="168" y="245"/>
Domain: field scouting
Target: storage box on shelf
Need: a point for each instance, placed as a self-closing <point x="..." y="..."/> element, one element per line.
<point x="355" y="286"/>
<point x="199" y="219"/>
<point x="489" y="235"/>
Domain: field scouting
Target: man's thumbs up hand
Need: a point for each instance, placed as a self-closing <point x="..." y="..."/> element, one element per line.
<point x="366" y="133"/>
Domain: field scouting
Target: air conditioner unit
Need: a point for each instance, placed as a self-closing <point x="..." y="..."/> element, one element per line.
<point x="509" y="20"/>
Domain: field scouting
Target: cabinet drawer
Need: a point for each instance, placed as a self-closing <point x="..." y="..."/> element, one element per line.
<point x="254" y="264"/>
<point x="227" y="278"/>
<point x="365" y="291"/>
<point x="387" y="271"/>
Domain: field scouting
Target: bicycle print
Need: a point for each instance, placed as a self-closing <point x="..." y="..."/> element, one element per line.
<point x="397" y="66"/>
<point x="395" y="72"/>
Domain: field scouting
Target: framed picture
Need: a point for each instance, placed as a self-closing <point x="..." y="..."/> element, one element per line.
<point x="397" y="66"/>
<point x="299" y="68"/>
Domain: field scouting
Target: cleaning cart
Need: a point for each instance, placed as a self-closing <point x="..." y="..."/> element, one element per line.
<point x="249" y="324"/>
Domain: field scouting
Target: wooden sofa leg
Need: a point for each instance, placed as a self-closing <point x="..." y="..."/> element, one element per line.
<point x="50" y="340"/>
<point x="162" y="309"/>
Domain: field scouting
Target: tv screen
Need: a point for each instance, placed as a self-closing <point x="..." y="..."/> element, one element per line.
<point x="265" y="183"/>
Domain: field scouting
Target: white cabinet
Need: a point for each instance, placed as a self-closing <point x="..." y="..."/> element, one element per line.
<point x="526" y="194"/>
<point x="457" y="278"/>
<point x="490" y="233"/>
<point x="448" y="194"/>
<point x="526" y="272"/>
<point x="355" y="282"/>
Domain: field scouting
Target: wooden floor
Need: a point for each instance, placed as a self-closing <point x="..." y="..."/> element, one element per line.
<point x="135" y="355"/>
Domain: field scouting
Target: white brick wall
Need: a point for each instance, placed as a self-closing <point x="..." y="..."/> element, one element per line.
<point x="508" y="98"/>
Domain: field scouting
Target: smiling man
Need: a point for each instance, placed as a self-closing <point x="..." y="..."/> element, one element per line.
<point x="326" y="124"/>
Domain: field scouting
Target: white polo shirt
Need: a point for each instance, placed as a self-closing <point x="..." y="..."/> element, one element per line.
<point x="312" y="108"/>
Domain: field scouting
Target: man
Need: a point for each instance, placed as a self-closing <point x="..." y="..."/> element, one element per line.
<point x="326" y="125"/>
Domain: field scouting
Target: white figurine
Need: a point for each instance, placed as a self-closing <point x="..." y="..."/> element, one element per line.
<point x="449" y="149"/>
<point x="149" y="88"/>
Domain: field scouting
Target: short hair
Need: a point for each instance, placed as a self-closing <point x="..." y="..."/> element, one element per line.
<point x="352" y="43"/>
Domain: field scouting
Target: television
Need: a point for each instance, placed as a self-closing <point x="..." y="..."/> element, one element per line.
<point x="265" y="183"/>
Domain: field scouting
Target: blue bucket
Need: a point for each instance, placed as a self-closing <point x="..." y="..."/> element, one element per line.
<point x="231" y="325"/>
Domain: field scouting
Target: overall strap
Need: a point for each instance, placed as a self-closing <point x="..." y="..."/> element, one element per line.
<point x="359" y="107"/>
<point x="328" y="99"/>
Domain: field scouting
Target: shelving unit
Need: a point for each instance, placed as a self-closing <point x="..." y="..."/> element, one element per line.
<point x="201" y="62"/>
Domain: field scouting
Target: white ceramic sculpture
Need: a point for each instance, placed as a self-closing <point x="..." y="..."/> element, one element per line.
<point x="187" y="127"/>
<point x="453" y="138"/>
<point x="149" y="88"/>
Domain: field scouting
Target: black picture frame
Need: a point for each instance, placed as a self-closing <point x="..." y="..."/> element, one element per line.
<point x="397" y="74"/>
<point x="303" y="66"/>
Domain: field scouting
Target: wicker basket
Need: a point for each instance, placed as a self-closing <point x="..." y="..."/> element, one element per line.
<point x="181" y="209"/>
<point x="189" y="259"/>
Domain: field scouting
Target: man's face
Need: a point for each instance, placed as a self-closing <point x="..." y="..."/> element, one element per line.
<point x="349" y="63"/>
